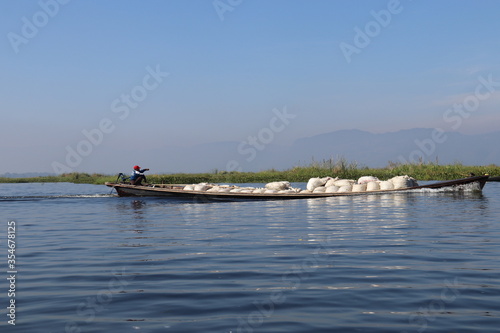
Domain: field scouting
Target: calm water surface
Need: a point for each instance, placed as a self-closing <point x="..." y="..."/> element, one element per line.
<point x="88" y="261"/>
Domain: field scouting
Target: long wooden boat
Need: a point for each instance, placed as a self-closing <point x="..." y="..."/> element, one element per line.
<point x="177" y="191"/>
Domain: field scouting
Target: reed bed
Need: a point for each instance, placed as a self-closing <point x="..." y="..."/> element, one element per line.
<point x="335" y="168"/>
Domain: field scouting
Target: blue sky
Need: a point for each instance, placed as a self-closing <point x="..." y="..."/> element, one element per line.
<point x="67" y="65"/>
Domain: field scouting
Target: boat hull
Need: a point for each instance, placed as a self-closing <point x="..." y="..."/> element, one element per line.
<point x="176" y="191"/>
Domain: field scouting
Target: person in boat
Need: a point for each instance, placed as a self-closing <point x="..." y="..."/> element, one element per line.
<point x="138" y="176"/>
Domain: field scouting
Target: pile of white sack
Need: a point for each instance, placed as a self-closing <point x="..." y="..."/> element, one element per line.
<point x="314" y="185"/>
<point x="270" y="188"/>
<point x="365" y="183"/>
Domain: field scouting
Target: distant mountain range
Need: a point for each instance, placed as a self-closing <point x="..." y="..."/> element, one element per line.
<point x="413" y="145"/>
<point x="364" y="148"/>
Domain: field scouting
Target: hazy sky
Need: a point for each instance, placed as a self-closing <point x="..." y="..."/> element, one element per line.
<point x="91" y="76"/>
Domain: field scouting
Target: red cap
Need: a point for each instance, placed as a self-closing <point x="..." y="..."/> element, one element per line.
<point x="136" y="167"/>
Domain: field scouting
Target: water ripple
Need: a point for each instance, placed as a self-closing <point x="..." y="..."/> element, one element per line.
<point x="405" y="262"/>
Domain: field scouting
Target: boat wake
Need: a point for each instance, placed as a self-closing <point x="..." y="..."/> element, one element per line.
<point x="471" y="187"/>
<point x="45" y="197"/>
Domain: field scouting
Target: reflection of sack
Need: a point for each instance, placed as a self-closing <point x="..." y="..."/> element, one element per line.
<point x="278" y="186"/>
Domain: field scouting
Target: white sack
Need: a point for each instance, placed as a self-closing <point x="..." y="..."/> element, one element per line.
<point x="403" y="182"/>
<point x="344" y="182"/>
<point x="200" y="187"/>
<point x="332" y="189"/>
<point x="278" y="186"/>
<point x="367" y="179"/>
<point x="359" y="187"/>
<point x="386" y="185"/>
<point x="346" y="188"/>
<point x="214" y="189"/>
<point x="331" y="182"/>
<point x="316" y="182"/>
<point x="373" y="186"/>
<point x="319" y="189"/>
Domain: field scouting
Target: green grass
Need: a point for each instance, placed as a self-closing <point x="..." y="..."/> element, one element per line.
<point x="340" y="168"/>
<point x="75" y="177"/>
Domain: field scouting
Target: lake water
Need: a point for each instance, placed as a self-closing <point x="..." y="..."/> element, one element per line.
<point x="88" y="261"/>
